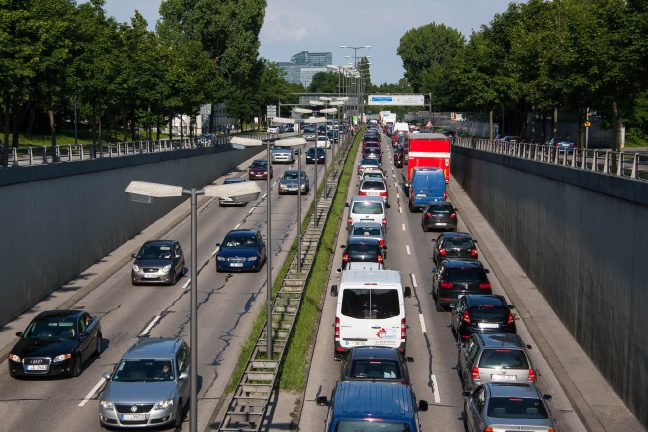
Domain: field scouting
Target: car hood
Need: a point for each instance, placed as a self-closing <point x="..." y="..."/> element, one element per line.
<point x="43" y="347"/>
<point x="138" y="392"/>
<point x="291" y="182"/>
<point x="282" y="151"/>
<point x="238" y="252"/>
<point x="152" y="262"/>
<point x="258" y="169"/>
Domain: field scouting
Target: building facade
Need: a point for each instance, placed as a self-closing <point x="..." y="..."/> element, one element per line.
<point x="303" y="65"/>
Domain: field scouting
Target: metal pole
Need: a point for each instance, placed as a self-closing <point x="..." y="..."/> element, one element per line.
<point x="587" y="129"/>
<point x="193" y="424"/>
<point x="269" y="257"/>
<point x="316" y="184"/>
<point x="75" y="121"/>
<point x="299" y="218"/>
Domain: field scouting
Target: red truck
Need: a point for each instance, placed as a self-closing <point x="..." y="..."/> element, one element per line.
<point x="428" y="150"/>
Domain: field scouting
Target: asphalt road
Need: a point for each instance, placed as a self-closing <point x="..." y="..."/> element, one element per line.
<point x="227" y="305"/>
<point x="429" y="339"/>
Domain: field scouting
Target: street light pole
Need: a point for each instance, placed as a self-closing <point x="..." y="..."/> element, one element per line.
<point x="269" y="256"/>
<point x="193" y="401"/>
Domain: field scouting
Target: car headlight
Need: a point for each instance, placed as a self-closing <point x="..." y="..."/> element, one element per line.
<point x="107" y="404"/>
<point x="220" y="258"/>
<point x="14" y="357"/>
<point x="62" y="357"/>
<point x="136" y="268"/>
<point x="166" y="268"/>
<point x="164" y="404"/>
<point x="253" y="258"/>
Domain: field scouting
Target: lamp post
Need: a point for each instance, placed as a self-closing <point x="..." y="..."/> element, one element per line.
<point x="316" y="121"/>
<point x="146" y="192"/>
<point x="299" y="219"/>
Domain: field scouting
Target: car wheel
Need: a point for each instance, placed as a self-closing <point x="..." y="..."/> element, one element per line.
<point x="439" y="306"/>
<point x="173" y="279"/>
<point x="76" y="367"/>
<point x="99" y="348"/>
<point x="425" y="229"/>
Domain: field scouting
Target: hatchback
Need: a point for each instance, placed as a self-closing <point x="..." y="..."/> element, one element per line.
<point x="373" y="175"/>
<point x="374" y="364"/>
<point x="259" y="170"/>
<point x="362" y="250"/>
<point x="439" y="216"/>
<point x="149" y="386"/>
<point x="372" y="153"/>
<point x="506" y="407"/>
<point x="458" y="277"/>
<point x="454" y="245"/>
<point x="372" y="187"/>
<point x="289" y="181"/>
<point x="494" y="357"/>
<point x="158" y="261"/>
<point x="241" y="250"/>
<point x="310" y="155"/>
<point x="323" y="142"/>
<point x="372" y="230"/>
<point x="367" y="209"/>
<point x="368" y="164"/>
<point x="476" y="313"/>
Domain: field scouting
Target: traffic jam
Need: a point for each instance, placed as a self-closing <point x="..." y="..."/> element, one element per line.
<point x="375" y="389"/>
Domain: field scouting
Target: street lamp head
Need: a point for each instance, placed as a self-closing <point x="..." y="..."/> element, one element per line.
<point x="325" y="98"/>
<point x="332" y="67"/>
<point x="316" y="102"/>
<point x="343" y="46"/>
<point x="146" y="192"/>
<point x="328" y="111"/>
<point x="241" y="142"/>
<point x="315" y="120"/>
<point x="343" y="98"/>
<point x="238" y="192"/>
<point x="290" y="142"/>
<point x="282" y="120"/>
<point x="303" y="110"/>
<point x="337" y="102"/>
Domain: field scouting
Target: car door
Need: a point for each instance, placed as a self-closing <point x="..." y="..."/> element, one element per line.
<point x="182" y="366"/>
<point x="261" y="246"/>
<point x="437" y="246"/>
<point x="84" y="336"/>
<point x="464" y="356"/>
<point x="457" y="313"/>
<point x="478" y="400"/>
<point x="178" y="258"/>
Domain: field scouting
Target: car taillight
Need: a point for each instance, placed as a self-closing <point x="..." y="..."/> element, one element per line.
<point x="485" y="286"/>
<point x="349" y="221"/>
<point x="345" y="257"/>
<point x="384" y="221"/>
<point x="428" y="215"/>
<point x="403" y="330"/>
<point x="466" y="317"/>
<point x="380" y="258"/>
<point x="337" y="328"/>
<point x="473" y="252"/>
<point x="442" y="251"/>
<point x="488" y="429"/>
<point x="510" y="319"/>
<point x="381" y="242"/>
<point x="445" y="196"/>
<point x="453" y="216"/>
<point x="363" y="193"/>
<point x="446" y="285"/>
<point x="383" y="193"/>
<point x="532" y="375"/>
<point x="475" y="374"/>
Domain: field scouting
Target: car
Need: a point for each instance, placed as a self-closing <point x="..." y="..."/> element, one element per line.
<point x="370" y="143"/>
<point x="158" y="261"/>
<point x="458" y="277"/>
<point x="286" y="128"/>
<point x="227" y="201"/>
<point x="149" y="386"/>
<point x="372" y="153"/>
<point x="477" y="313"/>
<point x="206" y="139"/>
<point x="310" y="133"/>
<point x="439" y="216"/>
<point x="372" y="175"/>
<point x="369" y="164"/>
<point x="503" y="407"/>
<point x="273" y="129"/>
<point x="56" y="342"/>
<point x="241" y="250"/>
<point x="375" y="364"/>
<point x="368" y="230"/>
<point x="398" y="157"/>
<point x="323" y="142"/>
<point x="454" y="245"/>
<point x="321" y="155"/>
<point x="367" y="209"/>
<point x="333" y="136"/>
<point x="362" y="250"/>
<point x="282" y="154"/>
<point x="374" y="187"/>
<point x="290" y="180"/>
<point x="510" y="138"/>
<point x="563" y="144"/>
<point x="259" y="170"/>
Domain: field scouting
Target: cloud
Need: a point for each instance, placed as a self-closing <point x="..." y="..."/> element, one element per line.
<point x="279" y="28"/>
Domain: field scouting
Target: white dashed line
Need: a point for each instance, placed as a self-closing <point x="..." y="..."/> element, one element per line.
<point x="251" y="210"/>
<point x="237" y="226"/>
<point x="422" y="323"/>
<point x="404" y="229"/>
<point x="437" y="393"/>
<point x="400" y="209"/>
<point x="413" y="276"/>
<point x="150" y="326"/>
<point x="264" y="195"/>
<point x="92" y="392"/>
<point x="186" y="284"/>
<point x="215" y="251"/>
<point x="408" y="250"/>
<point x="397" y="195"/>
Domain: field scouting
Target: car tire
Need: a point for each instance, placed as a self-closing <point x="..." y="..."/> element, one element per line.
<point x="425" y="229"/>
<point x="99" y="348"/>
<point x="76" y="367"/>
<point x="173" y="279"/>
<point x="439" y="306"/>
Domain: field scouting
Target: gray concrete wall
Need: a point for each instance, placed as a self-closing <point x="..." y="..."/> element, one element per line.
<point x="583" y="240"/>
<point x="58" y="220"/>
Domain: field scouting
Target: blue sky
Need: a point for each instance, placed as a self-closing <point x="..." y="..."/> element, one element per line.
<point x="295" y="25"/>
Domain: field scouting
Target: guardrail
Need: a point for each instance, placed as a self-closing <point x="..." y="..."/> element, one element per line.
<point x="620" y="164"/>
<point x="41" y="155"/>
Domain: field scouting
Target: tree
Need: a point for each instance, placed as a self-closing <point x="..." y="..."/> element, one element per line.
<point x="324" y="82"/>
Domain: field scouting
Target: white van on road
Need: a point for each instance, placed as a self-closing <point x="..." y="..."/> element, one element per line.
<point x="370" y="310"/>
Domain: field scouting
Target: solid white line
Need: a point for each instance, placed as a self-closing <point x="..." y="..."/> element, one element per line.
<point x="150" y="326"/>
<point x="186" y="284"/>
<point x="264" y="195"/>
<point x="397" y="195"/>
<point x="215" y="251"/>
<point x="251" y="210"/>
<point x="437" y="393"/>
<point x="237" y="226"/>
<point x="92" y="392"/>
<point x="404" y="229"/>
<point x="422" y="322"/>
<point x="408" y="249"/>
<point x="414" y="280"/>
<point x="400" y="209"/>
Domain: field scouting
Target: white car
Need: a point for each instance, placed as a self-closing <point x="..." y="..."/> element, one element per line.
<point x="367" y="209"/>
<point x="374" y="187"/>
<point x="373" y="175"/>
<point x="323" y="142"/>
<point x="274" y="129"/>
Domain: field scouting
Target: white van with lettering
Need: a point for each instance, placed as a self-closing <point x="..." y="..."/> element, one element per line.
<point x="370" y="310"/>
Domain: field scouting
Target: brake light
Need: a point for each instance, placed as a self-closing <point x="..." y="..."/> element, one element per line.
<point x="446" y="285"/>
<point x="442" y="251"/>
<point x="532" y="375"/>
<point x="345" y="257"/>
<point x="466" y="317"/>
<point x="380" y="258"/>
<point x="473" y="252"/>
<point x="428" y="215"/>
<point x="475" y="374"/>
<point x="488" y="429"/>
<point x="510" y="319"/>
<point x="381" y="242"/>
<point x="349" y="221"/>
<point x="445" y="196"/>
<point x="485" y="286"/>
<point x="453" y="216"/>
<point x="383" y="193"/>
<point x="337" y="328"/>
<point x="384" y="221"/>
<point x="363" y="193"/>
<point x="403" y="330"/>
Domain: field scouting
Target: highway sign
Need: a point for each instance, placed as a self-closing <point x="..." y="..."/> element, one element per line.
<point x="587" y="124"/>
<point x="271" y="111"/>
<point x="404" y="99"/>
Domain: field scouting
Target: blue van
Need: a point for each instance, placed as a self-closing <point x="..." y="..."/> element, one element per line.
<point x="372" y="406"/>
<point x="427" y="186"/>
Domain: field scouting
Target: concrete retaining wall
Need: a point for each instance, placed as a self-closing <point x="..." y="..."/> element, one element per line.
<point x="583" y="240"/>
<point x="57" y="220"/>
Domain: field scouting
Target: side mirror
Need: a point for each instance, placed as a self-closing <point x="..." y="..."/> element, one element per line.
<point x="384" y="247"/>
<point x="423" y="405"/>
<point x="458" y="345"/>
<point x="434" y="270"/>
<point x="388" y="205"/>
<point x="466" y="394"/>
<point x="19" y="334"/>
<point x="178" y="256"/>
<point x="106" y="375"/>
<point x="408" y="292"/>
<point x="334" y="290"/>
<point x="547" y="397"/>
<point x="133" y="255"/>
<point x="486" y="271"/>
<point x="529" y="346"/>
<point x="346" y="204"/>
<point x="338" y="270"/>
<point x="342" y="246"/>
<point x="409" y="359"/>
<point x="475" y="241"/>
<point x="184" y="376"/>
<point x="511" y="307"/>
<point x="218" y="244"/>
<point x="322" y="401"/>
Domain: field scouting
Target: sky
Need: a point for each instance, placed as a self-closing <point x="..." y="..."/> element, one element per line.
<point x="292" y="26"/>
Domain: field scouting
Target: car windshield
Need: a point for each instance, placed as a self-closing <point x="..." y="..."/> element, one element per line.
<point x="502" y="358"/>
<point x="373" y="162"/>
<point x="234" y="180"/>
<point x="370" y="426"/>
<point x="259" y="164"/>
<point x="241" y="241"/>
<point x="281" y="148"/>
<point x="366" y="231"/>
<point x="461" y="243"/>
<point x="363" y="251"/>
<point x="51" y="328"/>
<point x="367" y="207"/>
<point x="291" y="175"/>
<point x="373" y="185"/>
<point x="488" y="312"/>
<point x="376" y="369"/>
<point x="516" y="408"/>
<point x="463" y="275"/>
<point x="154" y="252"/>
<point x="143" y="370"/>
<point x="439" y="209"/>
<point x="370" y="303"/>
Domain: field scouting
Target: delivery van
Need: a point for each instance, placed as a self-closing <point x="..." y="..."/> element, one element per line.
<point x="427" y="186"/>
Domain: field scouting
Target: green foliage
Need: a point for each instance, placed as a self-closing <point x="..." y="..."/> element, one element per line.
<point x="324" y="82"/>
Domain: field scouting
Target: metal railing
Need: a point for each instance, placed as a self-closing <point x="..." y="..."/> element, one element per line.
<point x="41" y="155"/>
<point x="620" y="164"/>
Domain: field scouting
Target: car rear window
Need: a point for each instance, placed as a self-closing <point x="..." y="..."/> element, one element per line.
<point x="502" y="358"/>
<point x="370" y="303"/>
<point x="376" y="369"/>
<point x="290" y="175"/>
<point x="440" y="209"/>
<point x="368" y="231"/>
<point x="363" y="251"/>
<point x="367" y="207"/>
<point x="463" y="243"/>
<point x="464" y="275"/>
<point x="373" y="185"/>
<point x="513" y="408"/>
<point x="370" y="426"/>
<point x="489" y="312"/>
<point x="369" y="162"/>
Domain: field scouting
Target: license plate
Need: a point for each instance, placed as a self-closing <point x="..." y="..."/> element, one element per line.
<point x="440" y="224"/>
<point x="487" y="325"/>
<point x="503" y="378"/>
<point x="150" y="275"/>
<point x="366" y="220"/>
<point x="236" y="264"/>
<point x="37" y="367"/>
<point x="134" y="417"/>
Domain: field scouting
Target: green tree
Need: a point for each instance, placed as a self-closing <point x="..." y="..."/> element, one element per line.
<point x="324" y="82"/>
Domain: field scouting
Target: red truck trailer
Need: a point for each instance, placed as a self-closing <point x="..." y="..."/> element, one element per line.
<point x="428" y="150"/>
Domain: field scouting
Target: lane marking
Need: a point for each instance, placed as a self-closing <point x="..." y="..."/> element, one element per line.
<point x="251" y="210"/>
<point x="264" y="195"/>
<point x="422" y="323"/>
<point x="215" y="251"/>
<point x="408" y="249"/>
<point x="413" y="276"/>
<point x="92" y="392"/>
<point x="435" y="390"/>
<point x="404" y="229"/>
<point x="400" y="209"/>
<point x="150" y="326"/>
<point x="397" y="195"/>
<point x="186" y="284"/>
<point x="237" y="226"/>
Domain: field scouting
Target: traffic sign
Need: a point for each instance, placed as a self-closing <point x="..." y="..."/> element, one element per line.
<point x="271" y="111"/>
<point x="587" y="124"/>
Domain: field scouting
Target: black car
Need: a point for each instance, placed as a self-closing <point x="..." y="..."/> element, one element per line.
<point x="56" y="342"/>
<point x="372" y="153"/>
<point x="398" y="157"/>
<point x="458" y="277"/>
<point x="310" y="155"/>
<point x="477" y="313"/>
<point x="158" y="261"/>
<point x="439" y="216"/>
<point x="454" y="245"/>
<point x="374" y="364"/>
<point x="363" y="250"/>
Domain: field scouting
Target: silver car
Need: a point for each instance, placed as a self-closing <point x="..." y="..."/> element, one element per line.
<point x="288" y="182"/>
<point x="227" y="201"/>
<point x="371" y="230"/>
<point x="283" y="155"/>
<point x="500" y="407"/>
<point x="149" y="386"/>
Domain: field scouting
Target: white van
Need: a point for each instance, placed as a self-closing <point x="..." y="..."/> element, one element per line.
<point x="370" y="310"/>
<point x="401" y="127"/>
<point x="367" y="209"/>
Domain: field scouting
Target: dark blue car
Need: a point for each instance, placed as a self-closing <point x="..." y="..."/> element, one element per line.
<point x="241" y="250"/>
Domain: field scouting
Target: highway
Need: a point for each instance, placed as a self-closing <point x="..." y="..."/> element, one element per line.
<point x="227" y="306"/>
<point x="429" y="339"/>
